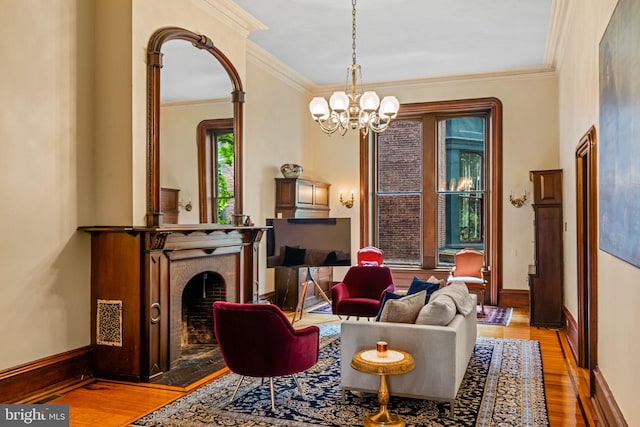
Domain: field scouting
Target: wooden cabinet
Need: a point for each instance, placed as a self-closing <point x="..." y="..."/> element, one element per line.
<point x="301" y="198"/>
<point x="289" y="282"/>
<point x="169" y="199"/>
<point x="545" y="283"/>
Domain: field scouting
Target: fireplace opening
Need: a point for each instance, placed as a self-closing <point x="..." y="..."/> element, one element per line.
<point x="197" y="335"/>
<point x="198" y="354"/>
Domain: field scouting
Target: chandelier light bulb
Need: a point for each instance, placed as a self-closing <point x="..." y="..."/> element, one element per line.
<point x="369" y="101"/>
<point x="319" y="108"/>
<point x="339" y="101"/>
<point x="389" y="107"/>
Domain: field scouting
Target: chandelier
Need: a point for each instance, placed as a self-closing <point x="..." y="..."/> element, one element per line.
<point x="355" y="110"/>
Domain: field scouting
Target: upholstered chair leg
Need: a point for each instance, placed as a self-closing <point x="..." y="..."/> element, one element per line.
<point x="273" y="400"/>
<point x="298" y="385"/>
<point x="237" y="387"/>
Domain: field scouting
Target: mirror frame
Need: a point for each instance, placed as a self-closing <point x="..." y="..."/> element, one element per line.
<point x="154" y="65"/>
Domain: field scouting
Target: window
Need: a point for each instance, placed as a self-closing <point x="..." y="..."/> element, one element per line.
<point x="460" y="188"/>
<point x="216" y="155"/>
<point x="430" y="180"/>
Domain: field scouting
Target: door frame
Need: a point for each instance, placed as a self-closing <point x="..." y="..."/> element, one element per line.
<point x="587" y="251"/>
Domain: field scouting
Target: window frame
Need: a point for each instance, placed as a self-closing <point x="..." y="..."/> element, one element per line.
<point x="207" y="183"/>
<point x="493" y="152"/>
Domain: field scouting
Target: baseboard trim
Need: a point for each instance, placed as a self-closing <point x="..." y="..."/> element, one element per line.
<point x="513" y="298"/>
<point x="604" y="402"/>
<point x="571" y="332"/>
<point x="30" y="380"/>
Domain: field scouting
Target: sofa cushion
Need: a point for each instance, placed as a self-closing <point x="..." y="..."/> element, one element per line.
<point x="403" y="310"/>
<point x="385" y="297"/>
<point x="440" y="312"/>
<point x="459" y="293"/>
<point x="418" y="285"/>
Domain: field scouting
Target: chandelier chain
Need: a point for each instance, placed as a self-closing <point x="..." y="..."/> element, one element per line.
<point x="353" y="31"/>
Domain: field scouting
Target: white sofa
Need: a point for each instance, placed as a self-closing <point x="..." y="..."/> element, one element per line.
<point x="441" y="354"/>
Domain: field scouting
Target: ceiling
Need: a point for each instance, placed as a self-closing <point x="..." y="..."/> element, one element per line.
<point x="396" y="40"/>
<point x="403" y="39"/>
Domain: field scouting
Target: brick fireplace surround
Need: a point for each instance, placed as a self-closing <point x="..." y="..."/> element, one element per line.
<point x="138" y="278"/>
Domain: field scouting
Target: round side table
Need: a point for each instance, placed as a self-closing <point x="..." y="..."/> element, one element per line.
<point x="397" y="362"/>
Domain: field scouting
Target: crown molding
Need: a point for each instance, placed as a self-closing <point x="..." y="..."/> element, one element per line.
<point x="278" y="69"/>
<point x="232" y="15"/>
<point x="519" y="74"/>
<point x="557" y="29"/>
<point x="180" y="105"/>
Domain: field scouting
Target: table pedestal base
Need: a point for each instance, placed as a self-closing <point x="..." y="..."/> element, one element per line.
<point x="383" y="417"/>
<point x="386" y="419"/>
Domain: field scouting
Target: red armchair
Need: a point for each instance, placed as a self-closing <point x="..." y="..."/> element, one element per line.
<point x="257" y="340"/>
<point x="370" y="255"/>
<point x="361" y="291"/>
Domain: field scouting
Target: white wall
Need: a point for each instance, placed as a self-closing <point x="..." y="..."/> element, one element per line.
<point x="618" y="281"/>
<point x="274" y="115"/>
<point x="46" y="132"/>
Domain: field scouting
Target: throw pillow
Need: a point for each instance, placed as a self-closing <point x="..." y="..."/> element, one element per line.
<point x="418" y="285"/>
<point x="459" y="294"/>
<point x="293" y="256"/>
<point x="385" y="297"/>
<point x="403" y="310"/>
<point x="439" y="312"/>
<point x="434" y="279"/>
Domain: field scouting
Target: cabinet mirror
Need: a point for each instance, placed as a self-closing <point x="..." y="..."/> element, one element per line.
<point x="195" y="100"/>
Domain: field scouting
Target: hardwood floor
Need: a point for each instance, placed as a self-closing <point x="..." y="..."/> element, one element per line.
<point x="110" y="403"/>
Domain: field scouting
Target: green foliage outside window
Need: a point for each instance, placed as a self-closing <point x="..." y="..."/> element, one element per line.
<point x="226" y="157"/>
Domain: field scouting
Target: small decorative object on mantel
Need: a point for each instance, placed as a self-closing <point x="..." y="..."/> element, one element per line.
<point x="291" y="170"/>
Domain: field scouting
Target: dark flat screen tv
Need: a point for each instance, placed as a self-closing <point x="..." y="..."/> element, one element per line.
<point x="308" y="242"/>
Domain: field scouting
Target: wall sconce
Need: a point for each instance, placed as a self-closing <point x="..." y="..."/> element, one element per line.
<point x="187" y="207"/>
<point x="519" y="202"/>
<point x="347" y="203"/>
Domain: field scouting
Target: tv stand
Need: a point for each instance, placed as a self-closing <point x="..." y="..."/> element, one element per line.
<point x="290" y="283"/>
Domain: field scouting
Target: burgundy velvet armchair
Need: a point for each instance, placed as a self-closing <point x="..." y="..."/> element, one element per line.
<point x="361" y="291"/>
<point x="257" y="340"/>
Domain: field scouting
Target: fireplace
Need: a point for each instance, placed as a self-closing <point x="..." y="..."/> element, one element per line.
<point x="198" y="297"/>
<point x="153" y="289"/>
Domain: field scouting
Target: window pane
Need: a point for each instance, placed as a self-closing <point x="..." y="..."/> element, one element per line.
<point x="461" y="143"/>
<point x="225" y="177"/>
<point x="458" y="139"/>
<point x="399" y="228"/>
<point x="400" y="157"/>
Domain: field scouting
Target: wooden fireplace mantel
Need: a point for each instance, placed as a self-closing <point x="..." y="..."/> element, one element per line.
<point x="135" y="275"/>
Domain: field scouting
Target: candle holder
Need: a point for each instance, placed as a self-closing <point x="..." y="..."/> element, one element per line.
<point x="381" y="349"/>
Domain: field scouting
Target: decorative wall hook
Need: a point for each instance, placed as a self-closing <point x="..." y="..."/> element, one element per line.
<point x="518" y="202"/>
<point x="347" y="203"/>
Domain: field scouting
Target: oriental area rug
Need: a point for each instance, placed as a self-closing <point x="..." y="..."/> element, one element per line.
<point x="503" y="386"/>
<point x="495" y="315"/>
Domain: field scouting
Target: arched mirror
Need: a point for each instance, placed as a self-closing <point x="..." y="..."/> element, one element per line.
<point x="195" y="100"/>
